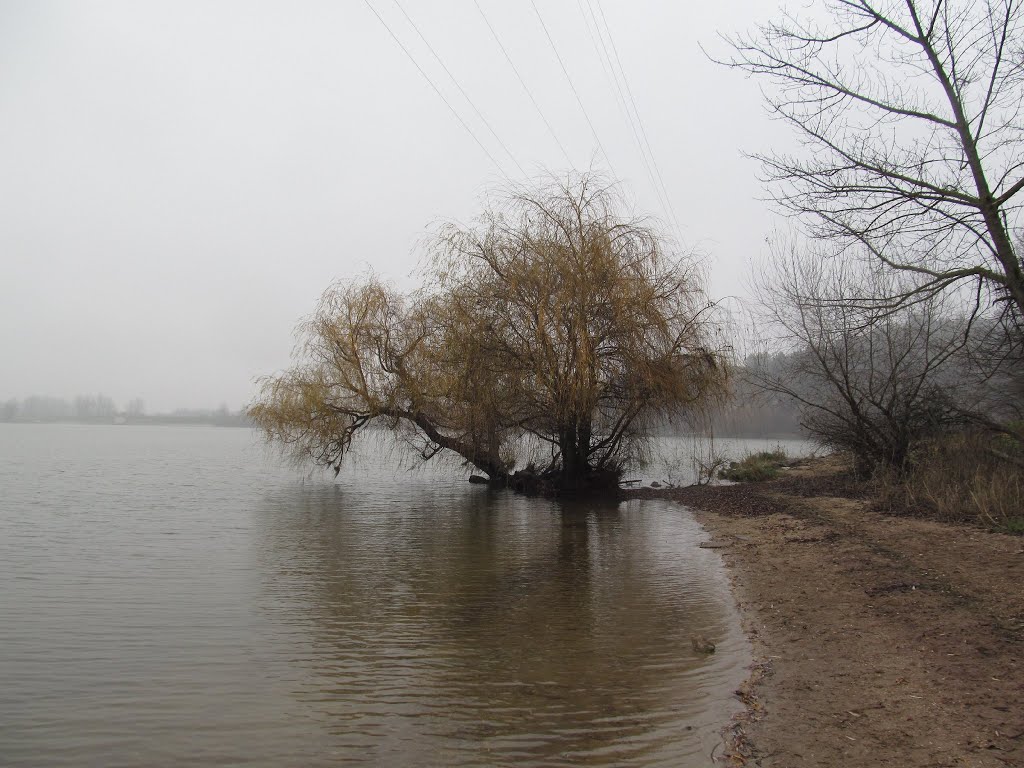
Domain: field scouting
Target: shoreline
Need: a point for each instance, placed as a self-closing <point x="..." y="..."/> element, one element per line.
<point x="877" y="640"/>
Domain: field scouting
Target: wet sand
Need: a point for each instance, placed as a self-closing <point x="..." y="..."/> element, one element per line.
<point x="878" y="640"/>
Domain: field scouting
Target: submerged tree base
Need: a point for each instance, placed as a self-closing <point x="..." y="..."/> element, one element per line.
<point x="603" y="484"/>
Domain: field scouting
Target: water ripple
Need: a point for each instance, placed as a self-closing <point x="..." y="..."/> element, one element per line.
<point x="170" y="597"/>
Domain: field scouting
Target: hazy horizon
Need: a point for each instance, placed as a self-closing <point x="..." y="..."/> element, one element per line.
<point x="180" y="182"/>
<point x="132" y="406"/>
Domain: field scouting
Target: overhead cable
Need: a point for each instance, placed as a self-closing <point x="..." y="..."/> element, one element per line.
<point x="636" y="111"/>
<point x="522" y="82"/>
<point x="608" y="67"/>
<point x="461" y="89"/>
<point x="572" y="86"/>
<point x="590" y="34"/>
<point x="436" y="89"/>
<point x="649" y="162"/>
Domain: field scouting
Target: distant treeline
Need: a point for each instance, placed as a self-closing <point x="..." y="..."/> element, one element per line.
<point x="747" y="412"/>
<point x="100" y="409"/>
<point x="756" y="414"/>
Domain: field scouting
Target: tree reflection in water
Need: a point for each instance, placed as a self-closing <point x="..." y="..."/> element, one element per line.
<point x="449" y="625"/>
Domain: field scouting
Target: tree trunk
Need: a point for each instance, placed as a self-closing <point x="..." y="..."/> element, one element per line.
<point x="574" y="442"/>
<point x="573" y="465"/>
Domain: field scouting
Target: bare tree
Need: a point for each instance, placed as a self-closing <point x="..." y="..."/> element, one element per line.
<point x="872" y="386"/>
<point x="909" y="112"/>
<point x="553" y="316"/>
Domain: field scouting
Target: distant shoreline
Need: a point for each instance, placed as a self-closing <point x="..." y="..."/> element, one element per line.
<point x="154" y="422"/>
<point x="237" y="421"/>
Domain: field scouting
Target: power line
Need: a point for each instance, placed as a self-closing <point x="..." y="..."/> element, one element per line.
<point x="620" y="98"/>
<point x="636" y="111"/>
<point x="593" y="42"/>
<point x="522" y="82"/>
<point x="612" y="76"/>
<point x="579" y="101"/>
<point x="436" y="89"/>
<point x="461" y="89"/>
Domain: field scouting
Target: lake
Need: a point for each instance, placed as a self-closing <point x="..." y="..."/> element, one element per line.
<point x="176" y="595"/>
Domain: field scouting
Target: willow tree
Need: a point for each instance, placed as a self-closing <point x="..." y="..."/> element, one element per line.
<point x="554" y="320"/>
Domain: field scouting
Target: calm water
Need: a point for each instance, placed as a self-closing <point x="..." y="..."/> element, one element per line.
<point x="173" y="596"/>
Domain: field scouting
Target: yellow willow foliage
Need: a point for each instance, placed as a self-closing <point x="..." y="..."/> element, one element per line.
<point x="552" y="315"/>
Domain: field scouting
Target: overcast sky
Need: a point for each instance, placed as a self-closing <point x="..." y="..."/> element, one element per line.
<point x="179" y="181"/>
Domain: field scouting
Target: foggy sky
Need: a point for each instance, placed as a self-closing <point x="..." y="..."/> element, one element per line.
<point x="180" y="181"/>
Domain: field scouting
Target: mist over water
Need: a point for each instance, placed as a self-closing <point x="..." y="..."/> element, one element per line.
<point x="176" y="596"/>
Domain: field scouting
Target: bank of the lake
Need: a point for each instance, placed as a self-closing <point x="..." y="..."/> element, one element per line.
<point x="878" y="640"/>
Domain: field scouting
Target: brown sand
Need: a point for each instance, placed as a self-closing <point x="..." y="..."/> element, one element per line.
<point x="879" y="640"/>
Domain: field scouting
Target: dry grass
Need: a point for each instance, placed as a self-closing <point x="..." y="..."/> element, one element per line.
<point x="968" y="477"/>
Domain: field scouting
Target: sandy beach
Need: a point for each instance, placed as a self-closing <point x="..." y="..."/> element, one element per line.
<point x="878" y="640"/>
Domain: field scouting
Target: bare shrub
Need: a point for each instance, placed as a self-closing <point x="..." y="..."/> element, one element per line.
<point x="708" y="466"/>
<point x="866" y="382"/>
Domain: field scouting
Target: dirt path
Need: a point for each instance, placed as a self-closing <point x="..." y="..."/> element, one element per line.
<point x="880" y="641"/>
